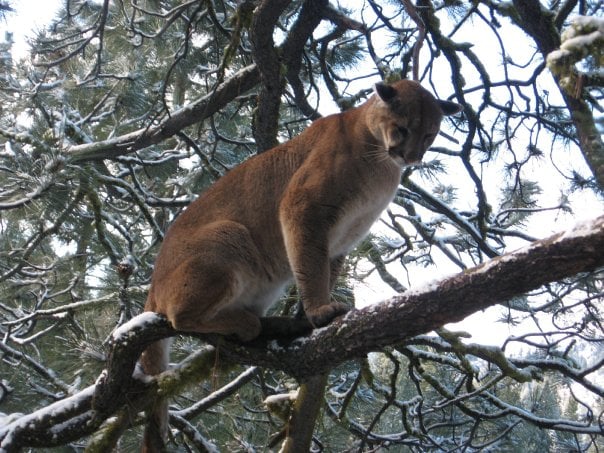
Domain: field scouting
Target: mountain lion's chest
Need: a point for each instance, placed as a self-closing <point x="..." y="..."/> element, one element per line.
<point x="361" y="212"/>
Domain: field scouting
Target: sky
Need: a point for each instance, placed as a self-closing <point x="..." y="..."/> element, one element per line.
<point x="29" y="15"/>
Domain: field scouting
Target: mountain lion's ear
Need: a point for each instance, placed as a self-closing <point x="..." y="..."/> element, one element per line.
<point x="384" y="91"/>
<point x="450" y="108"/>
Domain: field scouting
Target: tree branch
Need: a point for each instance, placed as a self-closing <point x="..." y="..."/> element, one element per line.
<point x="540" y="24"/>
<point x="354" y="335"/>
<point x="421" y="28"/>
<point x="422" y="310"/>
<point x="196" y="111"/>
<point x="266" y="116"/>
<point x="311" y="14"/>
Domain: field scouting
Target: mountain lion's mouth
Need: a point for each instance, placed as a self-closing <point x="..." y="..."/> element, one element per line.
<point x="397" y="154"/>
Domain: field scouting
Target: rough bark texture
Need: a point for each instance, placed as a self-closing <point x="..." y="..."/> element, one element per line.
<point x="301" y="424"/>
<point x="277" y="64"/>
<point x="359" y="332"/>
<point x="268" y="59"/>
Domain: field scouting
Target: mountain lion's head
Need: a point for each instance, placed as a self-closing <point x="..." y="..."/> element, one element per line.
<point x="405" y="119"/>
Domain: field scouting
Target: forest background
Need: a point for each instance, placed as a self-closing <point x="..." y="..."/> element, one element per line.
<point x="122" y="112"/>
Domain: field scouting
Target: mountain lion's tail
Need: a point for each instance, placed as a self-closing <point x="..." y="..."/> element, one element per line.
<point x="155" y="360"/>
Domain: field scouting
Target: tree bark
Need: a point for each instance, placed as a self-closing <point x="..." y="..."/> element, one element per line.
<point x="278" y="64"/>
<point x="266" y="116"/>
<point x="307" y="407"/>
<point x="424" y="309"/>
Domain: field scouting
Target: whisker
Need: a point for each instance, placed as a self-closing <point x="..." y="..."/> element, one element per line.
<point x="376" y="152"/>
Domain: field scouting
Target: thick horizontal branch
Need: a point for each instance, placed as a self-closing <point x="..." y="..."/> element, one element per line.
<point x="422" y="310"/>
<point x="196" y="111"/>
<point x="361" y="331"/>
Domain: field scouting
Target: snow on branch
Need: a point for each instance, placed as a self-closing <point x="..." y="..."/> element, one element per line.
<point x="584" y="37"/>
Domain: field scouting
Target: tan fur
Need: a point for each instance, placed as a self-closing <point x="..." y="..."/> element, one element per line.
<point x="291" y="213"/>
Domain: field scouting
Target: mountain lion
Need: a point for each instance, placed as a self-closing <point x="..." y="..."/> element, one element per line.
<point x="291" y="213"/>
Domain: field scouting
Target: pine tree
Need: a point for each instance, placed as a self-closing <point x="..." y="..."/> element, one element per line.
<point x="123" y="112"/>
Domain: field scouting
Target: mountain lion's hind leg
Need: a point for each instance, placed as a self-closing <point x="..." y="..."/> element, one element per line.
<point x="229" y="320"/>
<point x="208" y="301"/>
<point x="206" y="291"/>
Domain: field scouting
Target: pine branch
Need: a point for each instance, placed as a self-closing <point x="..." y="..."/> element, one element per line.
<point x="192" y="113"/>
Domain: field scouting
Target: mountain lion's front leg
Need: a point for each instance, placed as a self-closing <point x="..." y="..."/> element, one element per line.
<point x="305" y="232"/>
<point x="335" y="268"/>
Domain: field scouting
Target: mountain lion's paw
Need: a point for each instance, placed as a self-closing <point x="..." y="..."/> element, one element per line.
<point x="323" y="315"/>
